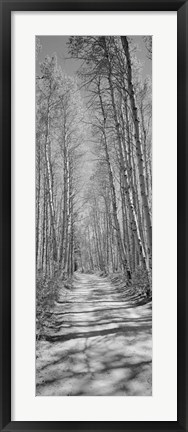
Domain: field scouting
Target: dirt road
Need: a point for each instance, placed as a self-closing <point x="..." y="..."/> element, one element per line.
<point x="100" y="345"/>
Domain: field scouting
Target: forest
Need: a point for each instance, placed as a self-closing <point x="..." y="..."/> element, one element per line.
<point x="93" y="174"/>
<point x="104" y="225"/>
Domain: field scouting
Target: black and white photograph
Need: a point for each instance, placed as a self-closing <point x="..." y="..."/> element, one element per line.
<point x="93" y="215"/>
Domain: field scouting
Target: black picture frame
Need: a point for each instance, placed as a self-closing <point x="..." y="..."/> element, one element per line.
<point x="6" y="7"/>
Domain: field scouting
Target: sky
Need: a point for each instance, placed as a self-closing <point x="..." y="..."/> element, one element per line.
<point x="57" y="44"/>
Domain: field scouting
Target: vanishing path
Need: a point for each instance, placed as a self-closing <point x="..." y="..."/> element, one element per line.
<point x="100" y="344"/>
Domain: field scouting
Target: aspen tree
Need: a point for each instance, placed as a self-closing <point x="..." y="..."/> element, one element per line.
<point x="125" y="45"/>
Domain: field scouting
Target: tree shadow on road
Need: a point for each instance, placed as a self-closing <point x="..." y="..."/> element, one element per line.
<point x="97" y="348"/>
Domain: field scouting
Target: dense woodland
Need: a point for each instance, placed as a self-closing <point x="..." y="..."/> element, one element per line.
<point x="94" y="217"/>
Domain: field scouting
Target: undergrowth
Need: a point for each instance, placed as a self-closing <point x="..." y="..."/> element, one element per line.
<point x="138" y="287"/>
<point x="47" y="293"/>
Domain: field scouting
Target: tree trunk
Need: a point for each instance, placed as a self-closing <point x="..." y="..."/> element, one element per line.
<point x="113" y="195"/>
<point x="49" y="180"/>
<point x="138" y="143"/>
